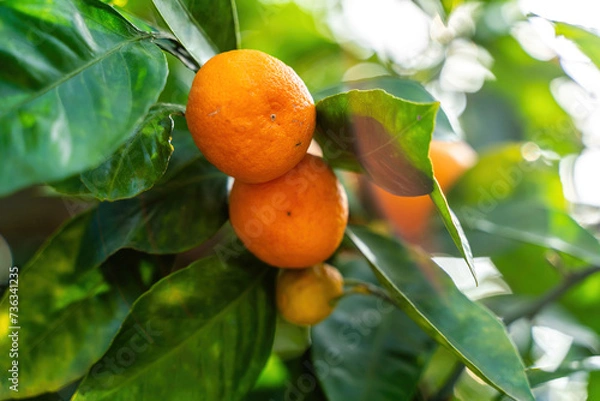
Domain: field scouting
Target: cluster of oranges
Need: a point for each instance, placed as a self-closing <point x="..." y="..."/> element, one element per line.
<point x="253" y="118"/>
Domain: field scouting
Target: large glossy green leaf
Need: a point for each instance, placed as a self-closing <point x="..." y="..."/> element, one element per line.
<point x="204" y="27"/>
<point x="76" y="80"/>
<point x="454" y="227"/>
<point x="171" y="218"/>
<point x="202" y="333"/>
<point x="588" y="42"/>
<point x="383" y="135"/>
<point x="381" y="352"/>
<point x="430" y="298"/>
<point x="402" y="88"/>
<point x="68" y="317"/>
<point x="535" y="223"/>
<point x="135" y="166"/>
<point x="61" y="286"/>
<point x="388" y="138"/>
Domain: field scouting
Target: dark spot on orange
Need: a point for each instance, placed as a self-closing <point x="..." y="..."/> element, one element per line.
<point x="298" y="144"/>
<point x="273" y="117"/>
<point x="289" y="213"/>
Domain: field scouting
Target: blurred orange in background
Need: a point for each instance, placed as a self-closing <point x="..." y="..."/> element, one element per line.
<point x="410" y="217"/>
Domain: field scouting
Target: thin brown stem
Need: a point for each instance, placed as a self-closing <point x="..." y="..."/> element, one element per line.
<point x="569" y="281"/>
<point x="529" y="311"/>
<point x="359" y="287"/>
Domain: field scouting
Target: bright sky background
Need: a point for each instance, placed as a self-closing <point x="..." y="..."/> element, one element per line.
<point x="399" y="31"/>
<point x="578" y="12"/>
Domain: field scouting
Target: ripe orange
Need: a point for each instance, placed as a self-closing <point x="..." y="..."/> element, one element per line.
<point x="410" y="215"/>
<point x="296" y="220"/>
<point x="250" y="115"/>
<point x="305" y="296"/>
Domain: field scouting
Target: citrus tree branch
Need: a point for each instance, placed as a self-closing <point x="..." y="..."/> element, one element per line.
<point x="569" y="281"/>
<point x="171" y="45"/>
<point x="529" y="311"/>
<point x="364" y="288"/>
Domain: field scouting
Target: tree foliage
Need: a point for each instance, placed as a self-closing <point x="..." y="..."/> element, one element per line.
<point x="142" y="291"/>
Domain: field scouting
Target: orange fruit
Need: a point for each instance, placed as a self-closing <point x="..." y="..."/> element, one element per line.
<point x="250" y="115"/>
<point x="296" y="220"/>
<point x="306" y="296"/>
<point x="409" y="216"/>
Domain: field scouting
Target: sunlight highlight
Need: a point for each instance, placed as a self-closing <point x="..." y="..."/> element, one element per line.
<point x="577" y="12"/>
<point x="395" y="30"/>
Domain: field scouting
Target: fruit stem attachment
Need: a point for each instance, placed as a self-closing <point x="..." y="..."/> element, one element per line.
<point x="171" y="45"/>
<point x="359" y="287"/>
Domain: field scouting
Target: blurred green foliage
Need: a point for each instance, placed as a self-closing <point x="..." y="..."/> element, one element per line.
<point x="511" y="203"/>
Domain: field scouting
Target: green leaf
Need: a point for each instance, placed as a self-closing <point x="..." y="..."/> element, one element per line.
<point x="494" y="114"/>
<point x="388" y="138"/>
<point x="68" y="318"/>
<point x="454" y="228"/>
<point x="543" y="122"/>
<point x="380" y="352"/>
<point x="202" y="333"/>
<point x="538" y="275"/>
<point x="491" y="283"/>
<point x="535" y="223"/>
<point x="171" y="218"/>
<point x="499" y="190"/>
<point x="585" y="40"/>
<point x="403" y="89"/>
<point x="47" y="397"/>
<point x="204" y="27"/>
<point x="294" y="34"/>
<point x="301" y="384"/>
<point x="594" y="385"/>
<point x="273" y="375"/>
<point x="431" y="299"/>
<point x="76" y="80"/>
<point x="62" y="289"/>
<point x="582" y="301"/>
<point x="291" y="341"/>
<point x="503" y="174"/>
<point x="135" y="166"/>
<point x="450" y="5"/>
<point x="383" y="135"/>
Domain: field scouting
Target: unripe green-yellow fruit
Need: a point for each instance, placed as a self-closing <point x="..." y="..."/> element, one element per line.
<point x="305" y="296"/>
